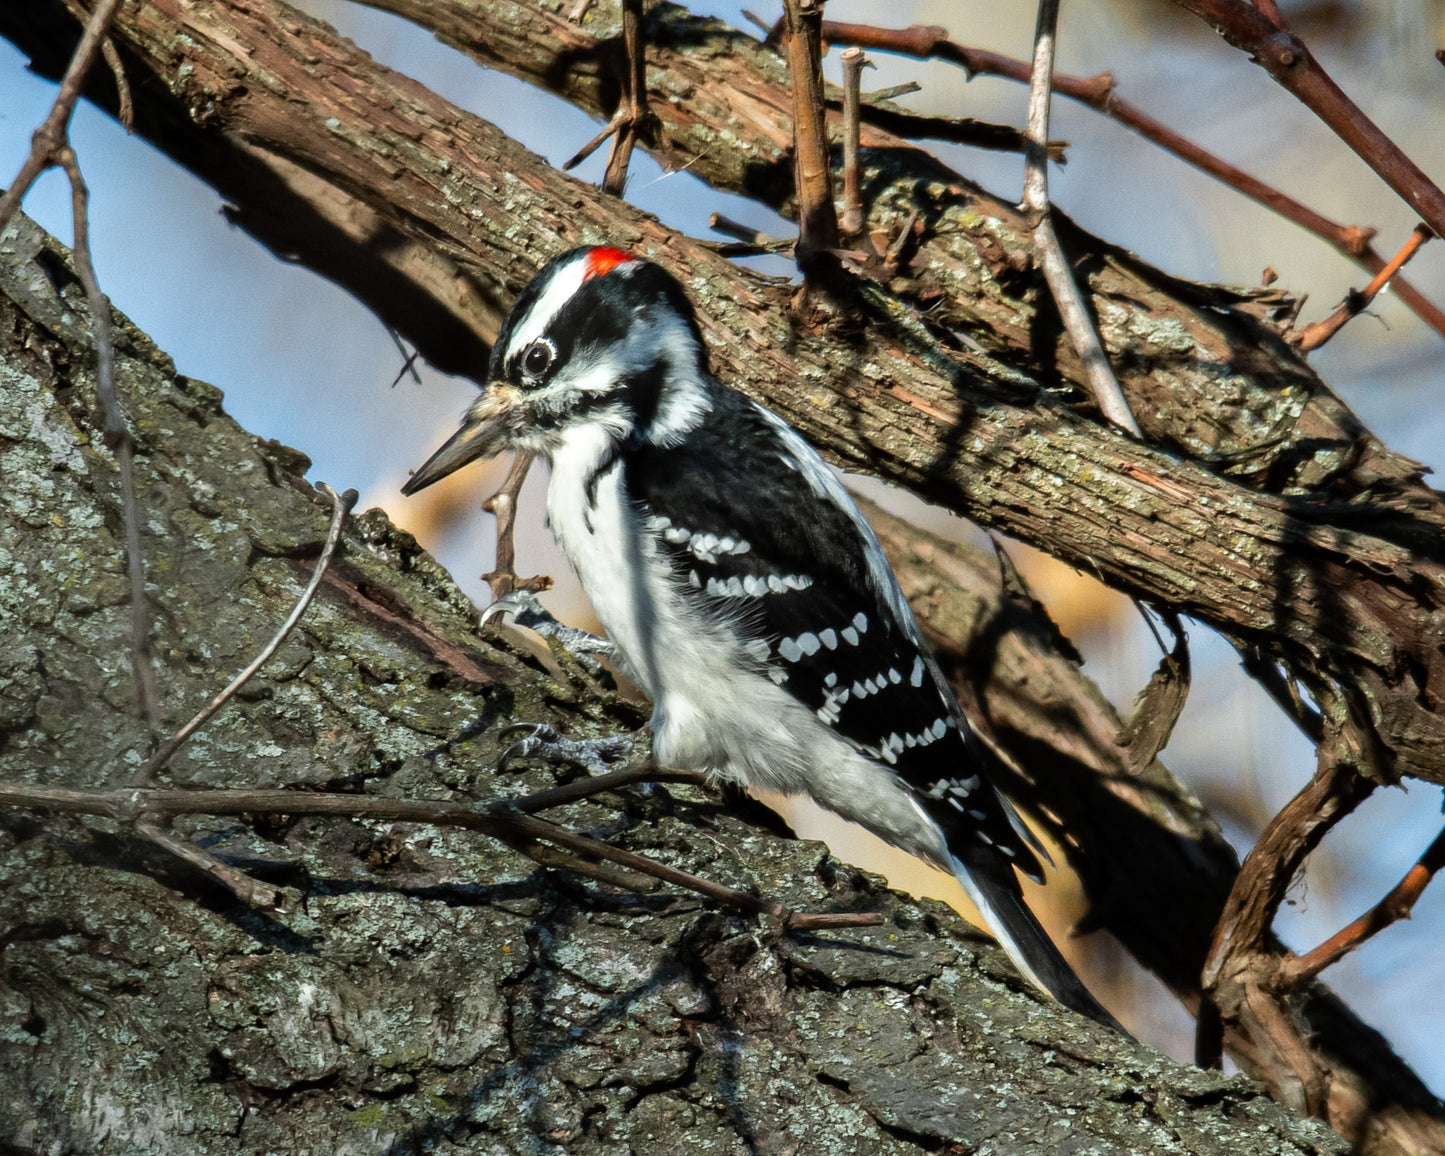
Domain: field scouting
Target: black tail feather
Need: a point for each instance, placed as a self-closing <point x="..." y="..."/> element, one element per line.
<point x="995" y="890"/>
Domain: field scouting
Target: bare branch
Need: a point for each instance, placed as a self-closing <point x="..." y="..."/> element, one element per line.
<point x="1281" y="53"/>
<point x="1100" y="93"/>
<point x="503" y="506"/>
<point x="1392" y="908"/>
<point x="1357" y="301"/>
<point x="50" y="137"/>
<point x="853" y="64"/>
<point x="1065" y="289"/>
<point x="502" y="819"/>
<point x="812" y="170"/>
<point x="634" y="99"/>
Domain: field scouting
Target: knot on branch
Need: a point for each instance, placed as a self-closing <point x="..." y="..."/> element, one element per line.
<point x="1282" y="52"/>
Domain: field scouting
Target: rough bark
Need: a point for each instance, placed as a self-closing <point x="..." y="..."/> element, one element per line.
<point x="1280" y="519"/>
<point x="1343" y="583"/>
<point x="434" y="991"/>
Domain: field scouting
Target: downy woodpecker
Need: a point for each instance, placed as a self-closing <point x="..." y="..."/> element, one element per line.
<point x="740" y="585"/>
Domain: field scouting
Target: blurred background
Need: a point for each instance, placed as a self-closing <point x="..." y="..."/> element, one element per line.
<point x="301" y="362"/>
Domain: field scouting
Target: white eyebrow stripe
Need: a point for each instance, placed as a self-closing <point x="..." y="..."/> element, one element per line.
<point x="566" y="280"/>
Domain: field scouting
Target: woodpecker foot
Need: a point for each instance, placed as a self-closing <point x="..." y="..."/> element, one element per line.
<point x="540" y="741"/>
<point x="527" y="611"/>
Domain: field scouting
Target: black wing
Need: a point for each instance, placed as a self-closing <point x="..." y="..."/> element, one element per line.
<point x="823" y="619"/>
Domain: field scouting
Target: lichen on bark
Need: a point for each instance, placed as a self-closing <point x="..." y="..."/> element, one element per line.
<point x="434" y="991"/>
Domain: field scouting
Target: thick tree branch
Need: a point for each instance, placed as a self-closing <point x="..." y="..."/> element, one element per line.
<point x="434" y="989"/>
<point x="1266" y="570"/>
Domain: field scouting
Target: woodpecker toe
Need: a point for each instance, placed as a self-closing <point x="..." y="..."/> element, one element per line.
<point x="545" y="743"/>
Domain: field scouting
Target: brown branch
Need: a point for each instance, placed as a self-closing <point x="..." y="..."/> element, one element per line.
<point x="619" y="118"/>
<point x="1241" y="975"/>
<point x="853" y="64"/>
<point x="634" y="100"/>
<point x="962" y="130"/>
<point x="50" y="137"/>
<point x="1394" y="907"/>
<point x="1100" y="93"/>
<point x="503" y="506"/>
<point x="812" y="169"/>
<point x="1281" y="53"/>
<point x="125" y="112"/>
<point x="751" y="239"/>
<point x="1314" y="335"/>
<point x="1070" y="301"/>
<point x="249" y="890"/>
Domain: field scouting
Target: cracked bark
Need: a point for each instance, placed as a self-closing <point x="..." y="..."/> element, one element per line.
<point x="434" y="990"/>
<point x="1277" y="518"/>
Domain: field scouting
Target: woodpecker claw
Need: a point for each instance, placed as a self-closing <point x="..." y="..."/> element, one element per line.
<point x="595" y="756"/>
<point x="526" y="610"/>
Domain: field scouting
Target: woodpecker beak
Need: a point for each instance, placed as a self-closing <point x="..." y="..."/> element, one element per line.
<point x="484" y="434"/>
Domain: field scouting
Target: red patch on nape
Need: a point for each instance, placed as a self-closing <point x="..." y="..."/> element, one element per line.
<point x="604" y="260"/>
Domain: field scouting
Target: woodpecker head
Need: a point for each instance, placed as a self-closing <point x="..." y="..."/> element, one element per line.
<point x="599" y="339"/>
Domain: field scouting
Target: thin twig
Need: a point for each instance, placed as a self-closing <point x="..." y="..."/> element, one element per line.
<point x="408" y="360"/>
<point x="1314" y="335"/>
<point x="812" y="171"/>
<point x="50" y="145"/>
<point x="644" y="770"/>
<point x="962" y="130"/>
<point x="501" y="819"/>
<point x="579" y="10"/>
<point x="1099" y="93"/>
<point x="619" y="118"/>
<point x="753" y="238"/>
<point x="853" y="64"/>
<point x="51" y="135"/>
<point x="1393" y="907"/>
<point x="125" y="107"/>
<point x="1060" y="278"/>
<point x="503" y="506"/>
<point x="249" y="890"/>
<point x="634" y="100"/>
<point x="341" y="505"/>
<point x="117" y="436"/>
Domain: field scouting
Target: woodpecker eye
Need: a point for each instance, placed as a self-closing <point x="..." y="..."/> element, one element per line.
<point x="538" y="358"/>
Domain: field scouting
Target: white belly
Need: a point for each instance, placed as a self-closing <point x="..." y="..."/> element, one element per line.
<point x="713" y="708"/>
